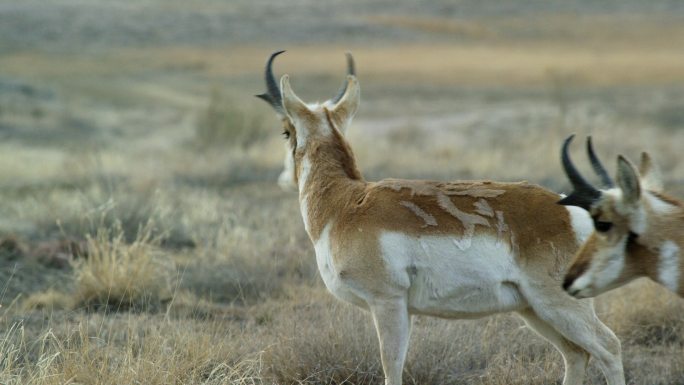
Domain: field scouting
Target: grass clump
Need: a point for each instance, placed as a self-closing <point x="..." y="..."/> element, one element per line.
<point x="118" y="275"/>
<point x="225" y="123"/>
<point x="48" y="300"/>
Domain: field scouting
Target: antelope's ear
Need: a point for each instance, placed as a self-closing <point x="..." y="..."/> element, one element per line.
<point x="628" y="181"/>
<point x="651" y="177"/>
<point x="344" y="110"/>
<point x="294" y="107"/>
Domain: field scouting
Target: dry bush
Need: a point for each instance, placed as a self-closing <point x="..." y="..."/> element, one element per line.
<point x="117" y="275"/>
<point x="48" y="300"/>
<point x="225" y="123"/>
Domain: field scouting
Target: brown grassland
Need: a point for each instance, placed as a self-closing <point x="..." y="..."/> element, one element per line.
<point x="143" y="239"/>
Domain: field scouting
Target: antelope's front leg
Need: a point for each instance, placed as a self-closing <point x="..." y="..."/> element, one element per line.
<point x="392" y="324"/>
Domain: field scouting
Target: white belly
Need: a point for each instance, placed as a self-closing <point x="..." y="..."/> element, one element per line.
<point x="446" y="279"/>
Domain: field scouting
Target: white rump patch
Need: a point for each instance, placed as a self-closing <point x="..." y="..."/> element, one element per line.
<point x="668" y="268"/>
<point x="429" y="219"/>
<point x="468" y="220"/>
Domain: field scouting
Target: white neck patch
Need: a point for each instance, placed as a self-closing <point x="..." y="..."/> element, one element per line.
<point x="668" y="267"/>
<point x="303" y="176"/>
<point x="658" y="205"/>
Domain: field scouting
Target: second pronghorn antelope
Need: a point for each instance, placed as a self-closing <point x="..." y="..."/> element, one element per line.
<point x="639" y="231"/>
<point x="462" y="249"/>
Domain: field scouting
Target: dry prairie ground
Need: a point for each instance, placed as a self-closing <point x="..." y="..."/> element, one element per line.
<point x="143" y="238"/>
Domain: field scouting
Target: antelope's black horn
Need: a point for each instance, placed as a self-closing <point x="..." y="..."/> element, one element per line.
<point x="351" y="70"/>
<point x="584" y="194"/>
<point x="598" y="166"/>
<point x="272" y="95"/>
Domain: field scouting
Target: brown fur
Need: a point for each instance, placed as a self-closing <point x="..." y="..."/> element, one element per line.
<point x="527" y="217"/>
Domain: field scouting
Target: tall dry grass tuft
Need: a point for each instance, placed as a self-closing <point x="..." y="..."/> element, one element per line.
<point x="118" y="275"/>
<point x="225" y="123"/>
<point x="48" y="300"/>
<point x="28" y="360"/>
<point x="137" y="349"/>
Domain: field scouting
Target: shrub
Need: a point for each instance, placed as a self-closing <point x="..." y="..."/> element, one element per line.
<point x="225" y="123"/>
<point x="117" y="275"/>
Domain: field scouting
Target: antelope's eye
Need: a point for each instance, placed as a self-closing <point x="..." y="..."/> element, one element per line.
<point x="603" y="227"/>
<point x="286" y="134"/>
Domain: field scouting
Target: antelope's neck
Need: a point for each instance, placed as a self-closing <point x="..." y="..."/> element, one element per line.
<point x="325" y="190"/>
<point x="662" y="257"/>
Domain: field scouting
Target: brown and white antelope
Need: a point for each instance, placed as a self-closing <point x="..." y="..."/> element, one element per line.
<point x="639" y="231"/>
<point x="462" y="249"/>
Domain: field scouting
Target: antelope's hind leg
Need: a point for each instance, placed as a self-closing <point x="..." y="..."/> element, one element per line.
<point x="577" y="322"/>
<point x="393" y="326"/>
<point x="574" y="357"/>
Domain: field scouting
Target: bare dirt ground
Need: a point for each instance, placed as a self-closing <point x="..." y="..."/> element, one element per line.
<point x="143" y="238"/>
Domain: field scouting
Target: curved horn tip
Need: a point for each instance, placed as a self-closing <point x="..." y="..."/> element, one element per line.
<point x="351" y="66"/>
<point x="569" y="139"/>
<point x="598" y="167"/>
<point x="276" y="53"/>
<point x="590" y="147"/>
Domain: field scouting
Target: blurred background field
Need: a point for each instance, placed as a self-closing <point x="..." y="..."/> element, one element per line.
<point x="144" y="240"/>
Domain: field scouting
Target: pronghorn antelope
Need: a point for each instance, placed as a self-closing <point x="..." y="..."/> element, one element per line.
<point x="286" y="179"/>
<point x="639" y="231"/>
<point x="462" y="249"/>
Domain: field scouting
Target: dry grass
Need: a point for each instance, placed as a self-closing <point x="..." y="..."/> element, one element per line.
<point x="117" y="275"/>
<point x="521" y="65"/>
<point x="225" y="124"/>
<point x="49" y="300"/>
<point x="197" y="269"/>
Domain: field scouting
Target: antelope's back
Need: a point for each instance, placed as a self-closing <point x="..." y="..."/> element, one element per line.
<point x="524" y="216"/>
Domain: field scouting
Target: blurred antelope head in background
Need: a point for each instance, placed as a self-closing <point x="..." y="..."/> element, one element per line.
<point x="272" y="96"/>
